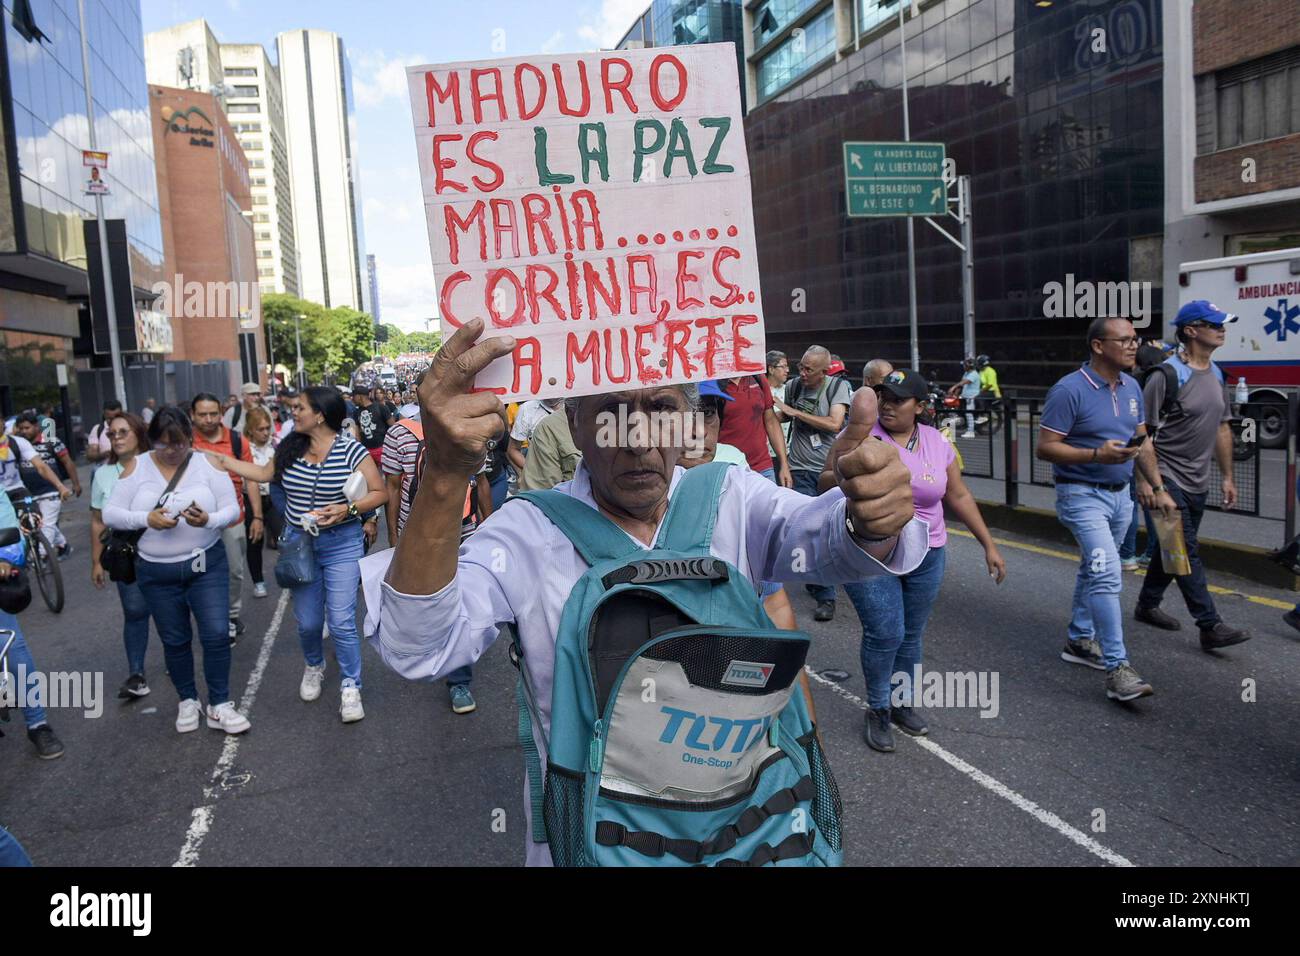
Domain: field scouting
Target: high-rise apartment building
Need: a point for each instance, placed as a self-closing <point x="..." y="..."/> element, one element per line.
<point x="255" y="104"/>
<point x="320" y="124"/>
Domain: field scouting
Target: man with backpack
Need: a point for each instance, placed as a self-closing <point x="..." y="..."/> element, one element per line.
<point x="815" y="404"/>
<point x="655" y="691"/>
<point x="1187" y="403"/>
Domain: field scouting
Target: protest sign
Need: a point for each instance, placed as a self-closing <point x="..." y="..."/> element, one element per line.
<point x="597" y="208"/>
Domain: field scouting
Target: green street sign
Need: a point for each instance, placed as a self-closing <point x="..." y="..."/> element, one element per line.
<point x="894" y="179"/>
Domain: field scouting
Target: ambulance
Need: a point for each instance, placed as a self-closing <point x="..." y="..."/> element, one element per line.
<point x="1262" y="348"/>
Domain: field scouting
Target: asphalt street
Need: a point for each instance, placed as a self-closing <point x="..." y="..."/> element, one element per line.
<point x="1194" y="775"/>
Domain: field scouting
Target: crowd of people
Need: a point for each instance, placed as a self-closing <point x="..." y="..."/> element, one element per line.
<point x="185" y="501"/>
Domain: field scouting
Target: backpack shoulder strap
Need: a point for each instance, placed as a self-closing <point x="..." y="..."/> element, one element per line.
<point x="236" y="445"/>
<point x="694" y="509"/>
<point x="595" y="536"/>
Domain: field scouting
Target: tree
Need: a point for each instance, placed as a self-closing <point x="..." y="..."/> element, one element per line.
<point x="338" y="338"/>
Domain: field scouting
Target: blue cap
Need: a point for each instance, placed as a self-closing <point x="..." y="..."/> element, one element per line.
<point x="1202" y="310"/>
<point x="711" y="388"/>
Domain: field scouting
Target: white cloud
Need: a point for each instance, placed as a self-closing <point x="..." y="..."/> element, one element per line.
<point x="382" y="213"/>
<point x="613" y="20"/>
<point x="407" y="295"/>
<point x="553" y="43"/>
<point x="376" y="77"/>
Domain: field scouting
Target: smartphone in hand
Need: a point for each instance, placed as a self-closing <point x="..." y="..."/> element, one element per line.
<point x="1136" y="441"/>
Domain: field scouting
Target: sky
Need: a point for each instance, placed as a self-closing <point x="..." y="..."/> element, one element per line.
<point x="381" y="39"/>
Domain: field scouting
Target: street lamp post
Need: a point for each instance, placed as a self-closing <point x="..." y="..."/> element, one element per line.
<point x="913" y="326"/>
<point x="110" y="307"/>
<point x="297" y="341"/>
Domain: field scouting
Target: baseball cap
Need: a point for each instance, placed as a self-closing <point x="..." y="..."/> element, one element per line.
<point x="905" y="383"/>
<point x="1202" y="310"/>
<point x="251" y="388"/>
<point x="836" y="367"/>
<point x="711" y="388"/>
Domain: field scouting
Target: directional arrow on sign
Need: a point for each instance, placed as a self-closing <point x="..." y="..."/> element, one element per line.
<point x="934" y="196"/>
<point x="856" y="161"/>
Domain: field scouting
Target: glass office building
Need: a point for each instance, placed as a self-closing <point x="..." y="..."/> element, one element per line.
<point x="1060" y="132"/>
<point x="683" y="22"/>
<point x="47" y="117"/>
<point x="43" y="280"/>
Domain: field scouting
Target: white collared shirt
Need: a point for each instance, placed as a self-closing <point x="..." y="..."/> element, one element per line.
<point x="519" y="568"/>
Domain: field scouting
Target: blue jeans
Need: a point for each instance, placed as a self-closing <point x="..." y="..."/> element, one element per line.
<point x="11" y="851"/>
<point x="174" y="591"/>
<point x="135" y="626"/>
<point x="1128" y="549"/>
<point x="1196" y="591"/>
<point x="769" y="474"/>
<point x="499" y="489"/>
<point x="20" y="656"/>
<point x="893" y="611"/>
<point x="334" y="592"/>
<point x="805" y="482"/>
<point x="1098" y="520"/>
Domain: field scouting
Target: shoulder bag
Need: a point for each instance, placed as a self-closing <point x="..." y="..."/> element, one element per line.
<point x="121" y="547"/>
<point x="296" y="564"/>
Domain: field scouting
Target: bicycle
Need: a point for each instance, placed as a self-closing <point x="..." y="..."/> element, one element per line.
<point x="40" y="553"/>
<point x="4" y="672"/>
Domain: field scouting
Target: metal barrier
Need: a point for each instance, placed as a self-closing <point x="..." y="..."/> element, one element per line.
<point x="977" y="452"/>
<point x="1252" y="464"/>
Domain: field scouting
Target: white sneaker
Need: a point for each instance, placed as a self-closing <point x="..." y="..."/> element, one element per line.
<point x="967" y="434"/>
<point x="309" y="689"/>
<point x="259" y="590"/>
<point x="225" y="717"/>
<point x="350" y="710"/>
<point x="187" y="716"/>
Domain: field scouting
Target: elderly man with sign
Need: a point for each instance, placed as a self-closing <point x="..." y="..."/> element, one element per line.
<point x="649" y="672"/>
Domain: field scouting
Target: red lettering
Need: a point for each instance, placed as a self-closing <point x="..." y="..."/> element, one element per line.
<point x="610" y="85"/>
<point x="739" y="343"/>
<point x="575" y="296"/>
<point x="585" y="108"/>
<point x="433" y="91"/>
<point x="733" y="296"/>
<point x="532" y="361"/>
<point x="524" y="111"/>
<point x="712" y="342"/>
<point x="656" y="93"/>
<point x="477" y="97"/>
<point x="685" y="301"/>
<point x="537" y="209"/>
<point x="679" y="334"/>
<point x="588" y="219"/>
<point x="534" y="294"/>
<point x="444" y="297"/>
<point x="452" y="222"/>
<point x="589" y="353"/>
<point x="498" y="175"/>
<point x="647" y="374"/>
<point x="503" y="223"/>
<point x="633" y="287"/>
<point x="609" y="353"/>
<point x="613" y="294"/>
<point x="441" y="182"/>
<point x="494" y="298"/>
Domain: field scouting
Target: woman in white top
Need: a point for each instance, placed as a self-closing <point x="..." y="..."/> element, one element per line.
<point x="312" y="466"/>
<point x="181" y="568"/>
<point x="128" y="437"/>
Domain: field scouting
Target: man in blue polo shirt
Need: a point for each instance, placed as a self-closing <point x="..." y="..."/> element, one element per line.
<point x="1088" y="420"/>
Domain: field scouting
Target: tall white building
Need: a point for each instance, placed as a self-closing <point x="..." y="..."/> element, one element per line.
<point x="255" y="104"/>
<point x="320" y="124"/>
<point x="186" y="57"/>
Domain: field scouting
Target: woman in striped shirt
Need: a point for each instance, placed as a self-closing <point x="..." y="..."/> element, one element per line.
<point x="312" y="465"/>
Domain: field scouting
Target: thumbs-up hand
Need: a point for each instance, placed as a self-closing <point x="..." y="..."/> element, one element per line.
<point x="875" y="482"/>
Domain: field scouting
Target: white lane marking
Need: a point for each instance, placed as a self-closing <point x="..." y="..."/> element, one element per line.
<point x="201" y="819"/>
<point x="991" y="784"/>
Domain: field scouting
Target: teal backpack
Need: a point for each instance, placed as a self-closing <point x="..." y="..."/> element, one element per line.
<point x="679" y="733"/>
